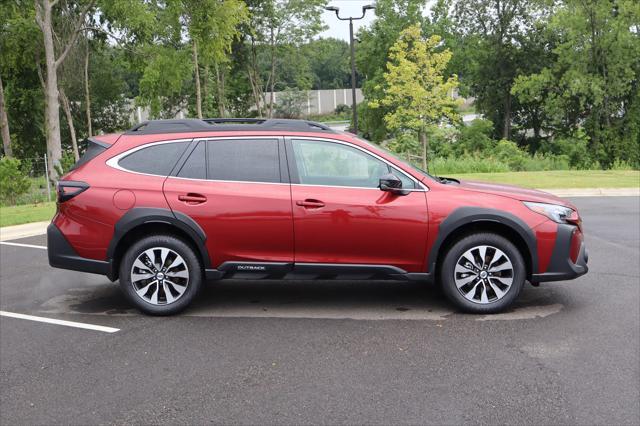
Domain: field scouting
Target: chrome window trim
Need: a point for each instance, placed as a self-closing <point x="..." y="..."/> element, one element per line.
<point x="422" y="187"/>
<point x="114" y="161"/>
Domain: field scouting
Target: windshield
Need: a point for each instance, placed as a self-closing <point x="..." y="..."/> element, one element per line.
<point x="398" y="159"/>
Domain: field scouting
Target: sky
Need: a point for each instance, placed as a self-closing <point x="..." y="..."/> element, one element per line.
<point x="340" y="29"/>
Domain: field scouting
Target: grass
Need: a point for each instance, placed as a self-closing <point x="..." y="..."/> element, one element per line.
<point x="561" y="178"/>
<point x="16" y="215"/>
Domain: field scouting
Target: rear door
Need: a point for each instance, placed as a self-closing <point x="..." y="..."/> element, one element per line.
<point x="342" y="217"/>
<point x="237" y="190"/>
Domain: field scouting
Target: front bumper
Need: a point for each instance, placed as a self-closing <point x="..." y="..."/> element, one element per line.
<point x="561" y="267"/>
<point x="62" y="255"/>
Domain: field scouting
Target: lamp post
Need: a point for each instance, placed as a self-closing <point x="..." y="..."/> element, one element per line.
<point x="353" y="57"/>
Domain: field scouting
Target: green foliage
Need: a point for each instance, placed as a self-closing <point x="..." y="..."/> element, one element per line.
<point x="466" y="164"/>
<point x="13" y="181"/>
<point x="592" y="79"/>
<point x="416" y="91"/>
<point x="290" y="104"/>
<point x="476" y="137"/>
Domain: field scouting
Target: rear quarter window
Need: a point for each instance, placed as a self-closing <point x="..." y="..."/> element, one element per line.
<point x="155" y="159"/>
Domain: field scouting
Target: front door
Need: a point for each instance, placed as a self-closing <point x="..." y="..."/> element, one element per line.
<point x="341" y="216"/>
<point x="237" y="190"/>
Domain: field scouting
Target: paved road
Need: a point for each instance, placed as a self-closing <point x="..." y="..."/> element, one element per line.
<point x="327" y="352"/>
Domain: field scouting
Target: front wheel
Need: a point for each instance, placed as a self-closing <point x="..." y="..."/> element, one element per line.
<point x="483" y="273"/>
<point x="160" y="274"/>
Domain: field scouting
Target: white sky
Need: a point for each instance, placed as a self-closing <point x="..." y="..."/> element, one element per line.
<point x="340" y="29"/>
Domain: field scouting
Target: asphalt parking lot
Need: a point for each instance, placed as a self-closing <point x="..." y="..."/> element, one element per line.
<point x="324" y="352"/>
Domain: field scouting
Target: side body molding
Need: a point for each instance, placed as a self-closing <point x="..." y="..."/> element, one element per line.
<point x="467" y="215"/>
<point x="143" y="215"/>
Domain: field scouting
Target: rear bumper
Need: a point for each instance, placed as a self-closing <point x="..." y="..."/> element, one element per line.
<point x="63" y="256"/>
<point x="561" y="267"/>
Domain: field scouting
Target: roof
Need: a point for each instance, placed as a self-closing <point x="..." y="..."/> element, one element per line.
<point x="226" y="124"/>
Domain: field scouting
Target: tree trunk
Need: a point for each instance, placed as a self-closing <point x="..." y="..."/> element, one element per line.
<point x="67" y="111"/>
<point x="197" y="77"/>
<point x="4" y="124"/>
<point x="272" y="77"/>
<point x="422" y="136"/>
<point x="205" y="92"/>
<point x="221" y="91"/>
<point x="52" y="105"/>
<point x="87" y="97"/>
<point x="506" y="125"/>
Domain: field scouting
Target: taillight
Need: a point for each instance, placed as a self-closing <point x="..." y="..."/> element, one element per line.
<point x="67" y="189"/>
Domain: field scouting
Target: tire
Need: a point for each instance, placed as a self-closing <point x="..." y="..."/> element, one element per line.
<point x="483" y="287"/>
<point x="166" y="284"/>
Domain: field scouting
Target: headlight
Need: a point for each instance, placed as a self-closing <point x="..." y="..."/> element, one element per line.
<point x="556" y="213"/>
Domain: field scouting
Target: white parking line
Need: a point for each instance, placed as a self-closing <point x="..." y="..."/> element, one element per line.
<point x="60" y="322"/>
<point x="23" y="245"/>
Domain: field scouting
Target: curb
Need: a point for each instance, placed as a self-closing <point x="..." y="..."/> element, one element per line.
<point x="23" y="231"/>
<point x="594" y="192"/>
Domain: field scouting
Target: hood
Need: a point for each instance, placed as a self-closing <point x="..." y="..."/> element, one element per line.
<point x="515" y="192"/>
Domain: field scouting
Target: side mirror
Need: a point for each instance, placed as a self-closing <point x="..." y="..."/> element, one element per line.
<point x="391" y="183"/>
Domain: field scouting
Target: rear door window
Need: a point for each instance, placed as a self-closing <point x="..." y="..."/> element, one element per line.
<point x="156" y="159"/>
<point x="196" y="165"/>
<point x="243" y="160"/>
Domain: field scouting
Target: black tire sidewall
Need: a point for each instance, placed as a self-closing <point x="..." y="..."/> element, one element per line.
<point x="180" y="247"/>
<point x="457" y="249"/>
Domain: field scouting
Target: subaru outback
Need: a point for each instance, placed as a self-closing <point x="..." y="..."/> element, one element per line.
<point x="170" y="204"/>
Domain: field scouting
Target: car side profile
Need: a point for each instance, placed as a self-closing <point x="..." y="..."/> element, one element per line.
<point x="170" y="204"/>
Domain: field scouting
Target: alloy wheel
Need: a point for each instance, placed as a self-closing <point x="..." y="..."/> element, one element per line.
<point x="159" y="276"/>
<point x="483" y="274"/>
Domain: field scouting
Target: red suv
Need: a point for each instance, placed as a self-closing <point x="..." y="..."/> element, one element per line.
<point x="171" y="203"/>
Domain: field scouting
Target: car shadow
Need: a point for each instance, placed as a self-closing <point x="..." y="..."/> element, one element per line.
<point x="367" y="300"/>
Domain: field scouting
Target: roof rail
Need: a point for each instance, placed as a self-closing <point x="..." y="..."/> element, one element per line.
<point x="225" y="124"/>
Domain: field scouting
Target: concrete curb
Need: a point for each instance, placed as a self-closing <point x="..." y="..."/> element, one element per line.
<point x="23" y="231"/>
<point x="39" y="228"/>
<point x="594" y="192"/>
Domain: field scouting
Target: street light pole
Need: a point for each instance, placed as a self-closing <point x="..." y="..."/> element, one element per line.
<point x="353" y="77"/>
<point x="353" y="58"/>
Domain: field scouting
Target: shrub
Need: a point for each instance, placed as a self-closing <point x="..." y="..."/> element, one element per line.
<point x="508" y="152"/>
<point x="13" y="182"/>
<point x="290" y="103"/>
<point x="575" y="148"/>
<point x="343" y="109"/>
<point x="466" y="164"/>
<point x="476" y="137"/>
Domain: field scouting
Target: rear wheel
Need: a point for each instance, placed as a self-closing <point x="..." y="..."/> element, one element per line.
<point x="483" y="273"/>
<point x="160" y="275"/>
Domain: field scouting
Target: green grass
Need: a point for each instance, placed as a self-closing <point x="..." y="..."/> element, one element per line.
<point x="561" y="178"/>
<point x="16" y="215"/>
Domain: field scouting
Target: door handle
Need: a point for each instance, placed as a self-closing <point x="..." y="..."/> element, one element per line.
<point x="310" y="203"/>
<point x="191" y="198"/>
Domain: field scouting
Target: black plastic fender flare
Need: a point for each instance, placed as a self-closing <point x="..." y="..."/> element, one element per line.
<point x="465" y="215"/>
<point x="143" y="215"/>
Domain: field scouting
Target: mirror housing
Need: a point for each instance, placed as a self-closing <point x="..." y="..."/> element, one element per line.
<point x="392" y="183"/>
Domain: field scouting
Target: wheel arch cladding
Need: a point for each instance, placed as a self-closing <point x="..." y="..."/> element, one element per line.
<point x="465" y="220"/>
<point x="142" y="221"/>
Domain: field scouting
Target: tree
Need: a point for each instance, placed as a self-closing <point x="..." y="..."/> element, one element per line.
<point x="4" y="124"/>
<point x="45" y="20"/>
<point x="592" y="80"/>
<point x="372" y="55"/>
<point x="492" y="34"/>
<point x="416" y="90"/>
<point x="274" y="24"/>
<point x="329" y="64"/>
